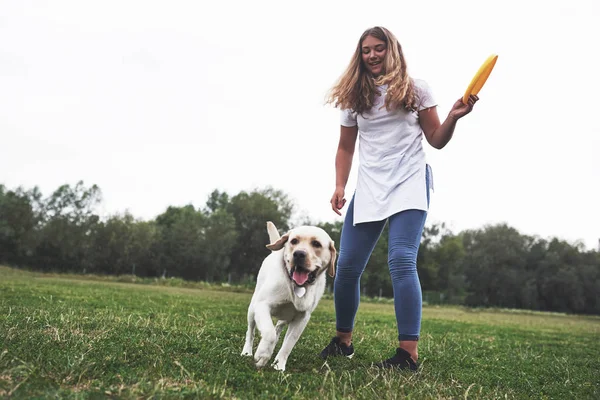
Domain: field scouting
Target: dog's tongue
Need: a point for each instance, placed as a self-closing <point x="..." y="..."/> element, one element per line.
<point x="300" y="277"/>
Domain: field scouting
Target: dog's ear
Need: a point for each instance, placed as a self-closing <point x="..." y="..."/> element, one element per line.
<point x="278" y="245"/>
<point x="333" y="257"/>
<point x="272" y="231"/>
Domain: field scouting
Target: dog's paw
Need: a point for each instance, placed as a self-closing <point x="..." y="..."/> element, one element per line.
<point x="261" y="361"/>
<point x="279" y="365"/>
<point x="247" y="351"/>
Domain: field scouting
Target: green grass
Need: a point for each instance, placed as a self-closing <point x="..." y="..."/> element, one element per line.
<point x="64" y="337"/>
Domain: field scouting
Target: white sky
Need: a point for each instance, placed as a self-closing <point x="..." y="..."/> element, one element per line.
<point x="160" y="103"/>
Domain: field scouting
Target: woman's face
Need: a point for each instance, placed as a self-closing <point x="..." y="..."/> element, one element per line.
<point x="373" y="55"/>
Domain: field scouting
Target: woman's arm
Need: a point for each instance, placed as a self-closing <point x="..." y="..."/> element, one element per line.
<point x="439" y="134"/>
<point x="343" y="164"/>
<point x="345" y="152"/>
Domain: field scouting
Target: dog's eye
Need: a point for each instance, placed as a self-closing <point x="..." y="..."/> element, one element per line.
<point x="294" y="241"/>
<point x="316" y="244"/>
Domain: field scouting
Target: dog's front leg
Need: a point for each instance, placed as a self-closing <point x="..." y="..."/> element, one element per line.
<point x="268" y="340"/>
<point x="295" y="329"/>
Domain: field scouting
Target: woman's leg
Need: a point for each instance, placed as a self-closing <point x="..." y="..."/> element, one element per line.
<point x="406" y="228"/>
<point x="356" y="245"/>
<point x="405" y="233"/>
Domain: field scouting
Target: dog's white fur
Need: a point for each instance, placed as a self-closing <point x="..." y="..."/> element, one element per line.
<point x="278" y="295"/>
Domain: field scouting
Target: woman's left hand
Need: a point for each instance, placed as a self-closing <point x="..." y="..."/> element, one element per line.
<point x="460" y="109"/>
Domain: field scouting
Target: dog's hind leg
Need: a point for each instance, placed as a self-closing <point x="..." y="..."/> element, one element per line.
<point x="247" y="351"/>
<point x="278" y="328"/>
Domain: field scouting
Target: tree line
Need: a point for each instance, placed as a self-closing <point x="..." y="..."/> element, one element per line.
<point x="224" y="241"/>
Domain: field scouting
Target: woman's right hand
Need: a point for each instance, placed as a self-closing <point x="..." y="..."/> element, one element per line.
<point x="338" y="200"/>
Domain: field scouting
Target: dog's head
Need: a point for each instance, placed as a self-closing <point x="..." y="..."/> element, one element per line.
<point x="307" y="252"/>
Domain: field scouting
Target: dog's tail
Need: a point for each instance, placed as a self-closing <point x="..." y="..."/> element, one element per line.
<point x="273" y="233"/>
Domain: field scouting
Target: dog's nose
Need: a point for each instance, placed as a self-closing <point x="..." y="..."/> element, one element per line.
<point x="300" y="255"/>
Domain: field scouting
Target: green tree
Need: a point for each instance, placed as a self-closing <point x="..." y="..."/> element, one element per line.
<point x="18" y="221"/>
<point x="251" y="212"/>
<point x="181" y="232"/>
<point x="124" y="245"/>
<point x="68" y="222"/>
<point x="219" y="241"/>
<point x="449" y="257"/>
<point x="216" y="201"/>
<point x="495" y="265"/>
<point x="559" y="284"/>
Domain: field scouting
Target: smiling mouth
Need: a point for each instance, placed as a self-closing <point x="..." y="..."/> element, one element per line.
<point x="302" y="276"/>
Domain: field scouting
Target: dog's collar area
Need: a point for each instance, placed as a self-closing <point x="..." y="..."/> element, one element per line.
<point x="300" y="291"/>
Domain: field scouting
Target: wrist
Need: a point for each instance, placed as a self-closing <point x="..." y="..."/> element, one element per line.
<point x="452" y="118"/>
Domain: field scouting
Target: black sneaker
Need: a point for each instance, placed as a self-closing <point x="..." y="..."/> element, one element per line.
<point x="401" y="360"/>
<point x="335" y="348"/>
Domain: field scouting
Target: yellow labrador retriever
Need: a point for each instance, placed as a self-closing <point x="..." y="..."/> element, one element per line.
<point x="290" y="283"/>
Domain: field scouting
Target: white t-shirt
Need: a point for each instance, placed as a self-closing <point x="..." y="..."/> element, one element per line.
<point x="392" y="166"/>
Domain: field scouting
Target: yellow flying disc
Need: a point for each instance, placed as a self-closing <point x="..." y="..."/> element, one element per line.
<point x="480" y="77"/>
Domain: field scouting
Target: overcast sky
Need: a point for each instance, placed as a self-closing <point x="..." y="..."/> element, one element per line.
<point x="161" y="102"/>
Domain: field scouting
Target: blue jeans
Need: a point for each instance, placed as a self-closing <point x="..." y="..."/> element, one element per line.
<point x="357" y="244"/>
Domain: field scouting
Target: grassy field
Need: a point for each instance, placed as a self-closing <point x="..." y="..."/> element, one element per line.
<point x="65" y="337"/>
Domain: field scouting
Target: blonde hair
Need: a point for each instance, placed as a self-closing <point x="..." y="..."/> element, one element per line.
<point x="356" y="88"/>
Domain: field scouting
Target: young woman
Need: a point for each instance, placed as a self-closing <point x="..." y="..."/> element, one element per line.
<point x="390" y="113"/>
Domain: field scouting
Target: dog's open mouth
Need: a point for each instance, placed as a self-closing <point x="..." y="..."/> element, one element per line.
<point x="302" y="276"/>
